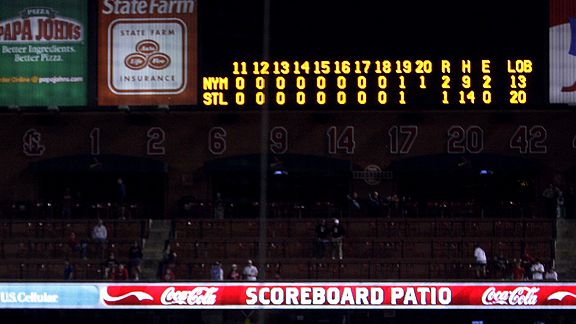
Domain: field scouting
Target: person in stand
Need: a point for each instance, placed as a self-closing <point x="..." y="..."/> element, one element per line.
<point x="121" y="198"/>
<point x="480" y="262"/>
<point x="121" y="273"/>
<point x="375" y="204"/>
<point x="168" y="259"/>
<point x="518" y="272"/>
<point x="354" y="208"/>
<point x="322" y="238"/>
<point x="67" y="204"/>
<point x="110" y="266"/>
<point x="100" y="236"/>
<point x="337" y="233"/>
<point x="76" y="245"/>
<point x="216" y="272"/>
<point x="549" y="195"/>
<point x="135" y="256"/>
<point x="550" y="274"/>
<point x="169" y="275"/>
<point x="250" y="272"/>
<point x="69" y="270"/>
<point x="537" y="270"/>
<point x="234" y="274"/>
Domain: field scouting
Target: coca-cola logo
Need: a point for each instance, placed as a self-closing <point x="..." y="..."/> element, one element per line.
<point x="518" y="296"/>
<point x="196" y="296"/>
<point x="147" y="54"/>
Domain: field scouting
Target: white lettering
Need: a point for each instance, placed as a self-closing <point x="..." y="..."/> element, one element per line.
<point x="362" y="296"/>
<point x="518" y="296"/>
<point x="396" y="294"/>
<point x="347" y="297"/>
<point x="305" y="296"/>
<point x="291" y="296"/>
<point x="196" y="296"/>
<point x="377" y="295"/>
<point x="318" y="296"/>
<point x="147" y="7"/>
<point x="410" y="297"/>
<point x="252" y="298"/>
<point x="333" y="296"/>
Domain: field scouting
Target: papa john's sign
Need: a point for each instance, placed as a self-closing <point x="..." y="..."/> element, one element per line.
<point x="147" y="52"/>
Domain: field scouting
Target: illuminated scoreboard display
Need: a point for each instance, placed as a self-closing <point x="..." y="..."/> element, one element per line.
<point x="380" y="83"/>
<point x="366" y="55"/>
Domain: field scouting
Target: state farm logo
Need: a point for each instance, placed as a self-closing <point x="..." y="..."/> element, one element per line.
<point x="518" y="296"/>
<point x="196" y="296"/>
<point x="147" y="54"/>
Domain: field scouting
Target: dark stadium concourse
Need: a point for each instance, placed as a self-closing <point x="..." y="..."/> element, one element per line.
<point x="292" y="178"/>
<point x="500" y="184"/>
<point x="92" y="182"/>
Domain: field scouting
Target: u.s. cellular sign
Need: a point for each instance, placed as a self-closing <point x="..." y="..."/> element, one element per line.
<point x="223" y="295"/>
<point x="147" y="52"/>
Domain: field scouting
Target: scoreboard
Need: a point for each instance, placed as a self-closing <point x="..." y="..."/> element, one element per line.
<point x="379" y="84"/>
<point x="285" y="55"/>
<point x="367" y="82"/>
<point x="367" y="55"/>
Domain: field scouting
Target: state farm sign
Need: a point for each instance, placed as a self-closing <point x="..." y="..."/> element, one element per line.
<point x="148" y="52"/>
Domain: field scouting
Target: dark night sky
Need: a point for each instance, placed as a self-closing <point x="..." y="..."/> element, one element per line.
<point x="365" y="29"/>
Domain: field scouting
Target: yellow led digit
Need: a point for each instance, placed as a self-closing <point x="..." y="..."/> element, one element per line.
<point x="300" y="97"/>
<point x="301" y="83"/>
<point x="240" y="83"/>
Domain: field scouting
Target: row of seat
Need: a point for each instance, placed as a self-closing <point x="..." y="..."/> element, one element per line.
<point x="288" y="270"/>
<point x="369" y="228"/>
<point x="365" y="248"/>
<point x="128" y="229"/>
<point x="56" y="249"/>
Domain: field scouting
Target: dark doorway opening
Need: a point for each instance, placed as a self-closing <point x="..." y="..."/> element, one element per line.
<point x="94" y="189"/>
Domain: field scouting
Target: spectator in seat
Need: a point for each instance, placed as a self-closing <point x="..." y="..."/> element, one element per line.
<point x="168" y="259"/>
<point x="216" y="272"/>
<point x="169" y="274"/>
<point x="550" y="274"/>
<point x="355" y="208"/>
<point x="121" y="272"/>
<point x="537" y="270"/>
<point x="67" y="204"/>
<point x="337" y="233"/>
<point x="375" y="204"/>
<point x="77" y="246"/>
<point x="250" y="272"/>
<point x="69" y="270"/>
<point x="322" y="238"/>
<point x="100" y="236"/>
<point x="135" y="256"/>
<point x="233" y="274"/>
<point x="518" y="271"/>
<point x="480" y="262"/>
<point x="110" y="266"/>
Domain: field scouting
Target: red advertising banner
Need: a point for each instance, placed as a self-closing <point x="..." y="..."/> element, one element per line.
<point x="528" y="295"/>
<point x="147" y="52"/>
<point x="297" y="295"/>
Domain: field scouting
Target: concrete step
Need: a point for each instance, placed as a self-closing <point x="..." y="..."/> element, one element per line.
<point x="159" y="232"/>
<point x="565" y="248"/>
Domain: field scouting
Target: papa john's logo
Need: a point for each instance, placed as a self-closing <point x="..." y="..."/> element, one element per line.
<point x="147" y="54"/>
